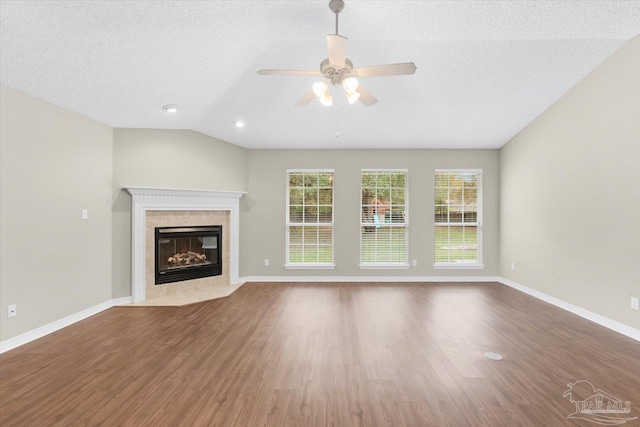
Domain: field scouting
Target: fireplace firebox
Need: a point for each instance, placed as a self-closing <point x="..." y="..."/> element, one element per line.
<point x="185" y="253"/>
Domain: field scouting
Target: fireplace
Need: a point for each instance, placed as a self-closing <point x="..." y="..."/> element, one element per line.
<point x="158" y="207"/>
<point x="185" y="253"/>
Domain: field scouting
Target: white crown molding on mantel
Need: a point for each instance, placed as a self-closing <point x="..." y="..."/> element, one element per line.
<point x="168" y="199"/>
<point x="183" y="192"/>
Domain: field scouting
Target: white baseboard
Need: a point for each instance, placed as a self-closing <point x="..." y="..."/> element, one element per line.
<point x="370" y="279"/>
<point x="589" y="315"/>
<point x="121" y="301"/>
<point x="47" y="329"/>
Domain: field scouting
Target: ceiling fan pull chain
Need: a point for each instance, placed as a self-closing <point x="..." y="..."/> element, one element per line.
<point x="338" y="112"/>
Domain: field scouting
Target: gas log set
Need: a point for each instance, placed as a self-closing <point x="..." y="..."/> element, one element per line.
<point x="187" y="258"/>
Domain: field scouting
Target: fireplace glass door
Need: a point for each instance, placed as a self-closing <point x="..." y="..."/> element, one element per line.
<point x="184" y="253"/>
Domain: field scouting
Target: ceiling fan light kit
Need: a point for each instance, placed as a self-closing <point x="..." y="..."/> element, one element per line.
<point x="352" y="97"/>
<point x="326" y="100"/>
<point x="320" y="88"/>
<point x="350" y="84"/>
<point x="337" y="69"/>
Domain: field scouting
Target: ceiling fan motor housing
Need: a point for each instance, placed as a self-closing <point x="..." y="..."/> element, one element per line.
<point x="336" y="74"/>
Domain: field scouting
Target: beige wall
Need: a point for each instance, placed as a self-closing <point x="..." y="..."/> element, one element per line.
<point x="570" y="190"/>
<point x="53" y="164"/>
<point x="264" y="226"/>
<point x="166" y="159"/>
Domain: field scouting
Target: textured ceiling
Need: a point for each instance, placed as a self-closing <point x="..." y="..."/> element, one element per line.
<point x="486" y="69"/>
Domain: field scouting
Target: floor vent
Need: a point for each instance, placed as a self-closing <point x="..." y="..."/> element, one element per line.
<point x="493" y="356"/>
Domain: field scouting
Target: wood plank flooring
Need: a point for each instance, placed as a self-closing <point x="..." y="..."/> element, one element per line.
<point x="321" y="354"/>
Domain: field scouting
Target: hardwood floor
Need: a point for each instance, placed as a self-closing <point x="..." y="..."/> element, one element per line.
<point x="325" y="354"/>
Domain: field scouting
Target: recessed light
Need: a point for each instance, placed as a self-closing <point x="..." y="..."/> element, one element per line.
<point x="170" y="108"/>
<point x="239" y="124"/>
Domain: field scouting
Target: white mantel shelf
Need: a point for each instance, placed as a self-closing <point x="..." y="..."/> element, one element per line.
<point x="163" y="199"/>
<point x="181" y="192"/>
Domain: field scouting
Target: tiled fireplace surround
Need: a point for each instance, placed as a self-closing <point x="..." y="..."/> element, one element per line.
<point x="155" y="207"/>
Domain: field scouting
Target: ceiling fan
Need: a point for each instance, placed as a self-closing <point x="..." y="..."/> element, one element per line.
<point x="338" y="70"/>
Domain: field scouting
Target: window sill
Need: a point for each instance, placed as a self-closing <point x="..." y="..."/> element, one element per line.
<point x="396" y="266"/>
<point x="310" y="266"/>
<point x="457" y="266"/>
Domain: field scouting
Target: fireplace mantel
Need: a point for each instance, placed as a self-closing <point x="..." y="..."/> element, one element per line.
<point x="158" y="199"/>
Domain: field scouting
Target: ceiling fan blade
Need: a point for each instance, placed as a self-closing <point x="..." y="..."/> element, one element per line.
<point x="386" y="70"/>
<point x="337" y="46"/>
<point x="365" y="97"/>
<point x="289" y="73"/>
<point x="305" y="100"/>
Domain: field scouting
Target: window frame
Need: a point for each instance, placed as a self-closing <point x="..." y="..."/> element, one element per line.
<point x="402" y="265"/>
<point x="288" y="224"/>
<point x="479" y="263"/>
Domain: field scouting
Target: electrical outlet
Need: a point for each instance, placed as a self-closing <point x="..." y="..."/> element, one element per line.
<point x="266" y="262"/>
<point x="11" y="310"/>
<point x="414" y="263"/>
<point x="513" y="266"/>
<point x="634" y="303"/>
<point x="85" y="214"/>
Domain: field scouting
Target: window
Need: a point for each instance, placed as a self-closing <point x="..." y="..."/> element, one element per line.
<point x="458" y="218"/>
<point x="309" y="219"/>
<point x="384" y="219"/>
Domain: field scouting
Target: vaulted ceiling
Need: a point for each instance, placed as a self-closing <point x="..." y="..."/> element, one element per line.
<point x="485" y="69"/>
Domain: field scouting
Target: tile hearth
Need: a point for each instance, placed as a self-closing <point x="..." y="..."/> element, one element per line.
<point x="215" y="292"/>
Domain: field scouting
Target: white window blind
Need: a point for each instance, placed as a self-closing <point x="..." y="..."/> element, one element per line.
<point x="309" y="217"/>
<point x="384" y="219"/>
<point x="458" y="218"/>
